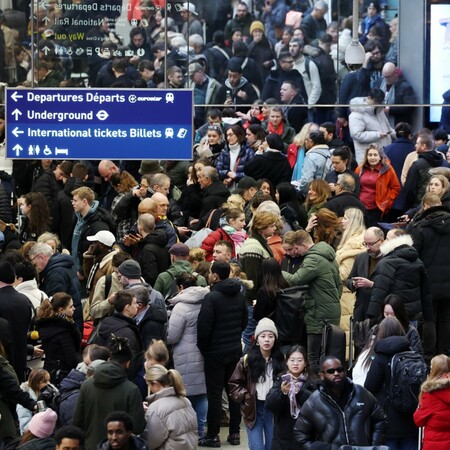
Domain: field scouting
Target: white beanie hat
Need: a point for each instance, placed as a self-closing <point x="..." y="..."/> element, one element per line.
<point x="266" y="324"/>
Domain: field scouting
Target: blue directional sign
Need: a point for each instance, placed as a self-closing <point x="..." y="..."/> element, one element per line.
<point x="99" y="123"/>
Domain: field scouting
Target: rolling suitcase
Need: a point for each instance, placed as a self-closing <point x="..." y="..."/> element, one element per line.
<point x="333" y="342"/>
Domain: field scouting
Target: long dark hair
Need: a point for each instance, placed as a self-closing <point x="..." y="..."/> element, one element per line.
<point x="257" y="362"/>
<point x="398" y="305"/>
<point x="272" y="277"/>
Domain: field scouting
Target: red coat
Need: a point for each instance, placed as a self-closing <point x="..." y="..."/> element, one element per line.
<point x="433" y="413"/>
<point x="210" y="241"/>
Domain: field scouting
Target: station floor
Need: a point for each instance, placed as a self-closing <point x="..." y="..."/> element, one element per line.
<point x="223" y="439"/>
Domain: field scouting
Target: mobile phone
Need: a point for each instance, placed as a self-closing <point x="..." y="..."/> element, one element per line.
<point x="286" y="378"/>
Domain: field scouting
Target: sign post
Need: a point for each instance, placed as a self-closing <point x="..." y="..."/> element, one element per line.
<point x="99" y="124"/>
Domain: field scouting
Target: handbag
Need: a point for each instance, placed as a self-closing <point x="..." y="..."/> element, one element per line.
<point x="199" y="236"/>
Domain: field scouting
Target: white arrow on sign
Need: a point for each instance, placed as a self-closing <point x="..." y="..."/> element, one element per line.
<point x="16" y="113"/>
<point x="16" y="132"/>
<point x="15" y="95"/>
<point x="46" y="50"/>
<point x="17" y="148"/>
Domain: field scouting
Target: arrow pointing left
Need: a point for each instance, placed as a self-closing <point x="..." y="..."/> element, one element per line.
<point x="15" y="95"/>
<point x="16" y="132"/>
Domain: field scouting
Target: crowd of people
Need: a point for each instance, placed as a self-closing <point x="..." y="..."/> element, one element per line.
<point x="143" y="303"/>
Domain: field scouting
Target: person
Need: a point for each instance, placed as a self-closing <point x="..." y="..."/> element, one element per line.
<point x="119" y="429"/>
<point x="320" y="272"/>
<point x="318" y="193"/>
<point x="401" y="431"/>
<point x="15" y="308"/>
<point x="191" y="22"/>
<point x="291" y="96"/>
<point x="314" y="23"/>
<point x="379" y="184"/>
<point x="231" y="229"/>
<point x="291" y="209"/>
<point x="40" y="431"/>
<point x="69" y="437"/>
<point x="261" y="49"/>
<point x="325" y="226"/>
<point x="36" y="220"/>
<point x="368" y="123"/>
<point x="108" y="390"/>
<point x="433" y="411"/>
<point x="276" y="124"/>
<point x="288" y="394"/>
<point x="221" y="320"/>
<point x="251" y="381"/>
<point x="333" y="416"/>
<point x="182" y="335"/>
<point x="251" y="255"/>
<point x="341" y="162"/>
<point x="232" y="159"/>
<point x="241" y="21"/>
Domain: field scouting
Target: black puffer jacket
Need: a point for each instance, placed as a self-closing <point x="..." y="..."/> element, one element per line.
<point x="222" y="318"/>
<point x="322" y="424"/>
<point x="401" y="272"/>
<point x="214" y="196"/>
<point x="431" y="235"/>
<point x="69" y="390"/>
<point x="377" y="382"/>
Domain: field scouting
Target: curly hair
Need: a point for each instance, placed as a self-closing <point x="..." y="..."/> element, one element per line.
<point x="328" y="228"/>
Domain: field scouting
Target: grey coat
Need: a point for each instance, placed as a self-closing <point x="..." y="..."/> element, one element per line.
<point x="182" y="334"/>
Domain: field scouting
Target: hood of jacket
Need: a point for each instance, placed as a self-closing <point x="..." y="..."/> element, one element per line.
<point x="360" y="105"/>
<point x="437" y="385"/>
<point x="72" y="382"/>
<point x="58" y="261"/>
<point x="392" y="345"/>
<point x="242" y="82"/>
<point x="404" y="241"/>
<point x="165" y="392"/>
<point x="322" y="149"/>
<point x="109" y="375"/>
<point x="230" y="286"/>
<point x="92" y="210"/>
<point x="322" y="249"/>
<point x="437" y="218"/>
<point x="72" y="184"/>
<point x="193" y="294"/>
<point x="433" y="158"/>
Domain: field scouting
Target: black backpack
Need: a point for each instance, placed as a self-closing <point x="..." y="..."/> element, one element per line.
<point x="408" y="371"/>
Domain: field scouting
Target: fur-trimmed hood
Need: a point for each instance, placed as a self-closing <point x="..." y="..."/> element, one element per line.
<point x="436" y="384"/>
<point x="390" y="245"/>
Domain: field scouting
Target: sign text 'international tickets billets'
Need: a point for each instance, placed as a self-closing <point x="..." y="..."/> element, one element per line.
<point x="99" y="124"/>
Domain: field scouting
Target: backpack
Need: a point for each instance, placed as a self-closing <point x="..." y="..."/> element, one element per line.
<point x="408" y="371"/>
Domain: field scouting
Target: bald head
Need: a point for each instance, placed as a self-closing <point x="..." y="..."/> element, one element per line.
<point x="106" y="168"/>
<point x="162" y="203"/>
<point x="390" y="73"/>
<point x="147" y="206"/>
<point x="146" y="224"/>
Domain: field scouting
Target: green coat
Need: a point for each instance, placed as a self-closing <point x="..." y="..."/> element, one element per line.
<point x="165" y="279"/>
<point x="320" y="272"/>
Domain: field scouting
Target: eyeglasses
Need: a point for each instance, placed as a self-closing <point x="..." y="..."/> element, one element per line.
<point x="34" y="257"/>
<point x="334" y="370"/>
<point x="371" y="244"/>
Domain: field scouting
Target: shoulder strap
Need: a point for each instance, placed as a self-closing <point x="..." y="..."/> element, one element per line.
<point x="108" y="283"/>
<point x="221" y="50"/>
<point x="208" y="223"/>
<point x="307" y="61"/>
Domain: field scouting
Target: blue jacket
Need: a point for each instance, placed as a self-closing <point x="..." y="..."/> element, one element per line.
<point x="223" y="162"/>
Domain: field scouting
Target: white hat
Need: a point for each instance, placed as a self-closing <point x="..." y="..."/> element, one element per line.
<point x="188" y="6"/>
<point x="103" y="236"/>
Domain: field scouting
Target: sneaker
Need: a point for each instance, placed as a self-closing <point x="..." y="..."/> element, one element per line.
<point x="209" y="442"/>
<point x="234" y="439"/>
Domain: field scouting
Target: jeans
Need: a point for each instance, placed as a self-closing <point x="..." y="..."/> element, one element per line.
<point x="200" y="405"/>
<point x="218" y="370"/>
<point x="260" y="436"/>
<point x="247" y="334"/>
<point x="313" y="350"/>
<point x="407" y="443"/>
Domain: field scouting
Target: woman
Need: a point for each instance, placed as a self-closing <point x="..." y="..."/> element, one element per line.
<point x="277" y="124"/>
<point x="327" y="227"/>
<point x="379" y="185"/>
<point x="171" y="421"/>
<point x="318" y="193"/>
<point x="40" y="430"/>
<point x="231" y="229"/>
<point x="212" y="144"/>
<point x="255" y="136"/>
<point x="231" y="161"/>
<point x="291" y="209"/>
<point x="252" y="380"/>
<point x="261" y="49"/>
<point x="182" y="335"/>
<point x="296" y="151"/>
<point x="288" y="393"/>
<point x="351" y="245"/>
<point x="60" y="337"/>
<point x="433" y="412"/>
<point x="251" y="255"/>
<point x="401" y="431"/>
<point x="254" y="115"/>
<point x="36" y="217"/>
<point x="266" y="187"/>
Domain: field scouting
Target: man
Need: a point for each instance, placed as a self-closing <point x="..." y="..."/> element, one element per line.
<point x="175" y="77"/>
<point x="272" y="164"/>
<point x="241" y="21"/>
<point x="152" y="254"/>
<point x="373" y="65"/>
<point x="314" y="23"/>
<point x="307" y="69"/>
<point x="373" y="18"/>
<point x="162" y="222"/>
<point x="223" y="251"/>
<point x="207" y="91"/>
<point x="49" y="184"/>
<point x="317" y="162"/>
<point x="292" y="246"/>
<point x="105" y="169"/>
<point x="119" y="429"/>
<point x="274" y="17"/>
<point x="329" y="131"/>
<point x="247" y="188"/>
<point x="289" y="96"/>
<point x="241" y="91"/>
<point x="191" y="23"/>
<point x="121" y="323"/>
<point x="69" y="437"/>
<point x="146" y="70"/>
<point x="339" y="413"/>
<point x="16" y="309"/>
<point x="222" y="318"/>
<point x="340" y="164"/>
<point x="179" y="255"/>
<point x="57" y="273"/>
<point x="90" y="218"/>
<point x="107" y="391"/>
<point x="97" y="260"/>
<point x="418" y="174"/>
<point x="397" y="92"/>
<point x="320" y="272"/>
<point x="345" y="197"/>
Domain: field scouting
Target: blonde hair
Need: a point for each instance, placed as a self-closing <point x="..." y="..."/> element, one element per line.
<point x="166" y="378"/>
<point x="262" y="220"/>
<point x="300" y="137"/>
<point x="444" y="181"/>
<point x="355" y="225"/>
<point x="157" y="350"/>
<point x="235" y="201"/>
<point x="84" y="193"/>
<point x="439" y="366"/>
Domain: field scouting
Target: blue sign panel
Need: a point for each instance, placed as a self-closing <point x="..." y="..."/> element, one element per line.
<point x="99" y="124"/>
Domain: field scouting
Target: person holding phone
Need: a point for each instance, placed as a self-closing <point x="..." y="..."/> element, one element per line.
<point x="288" y="393"/>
